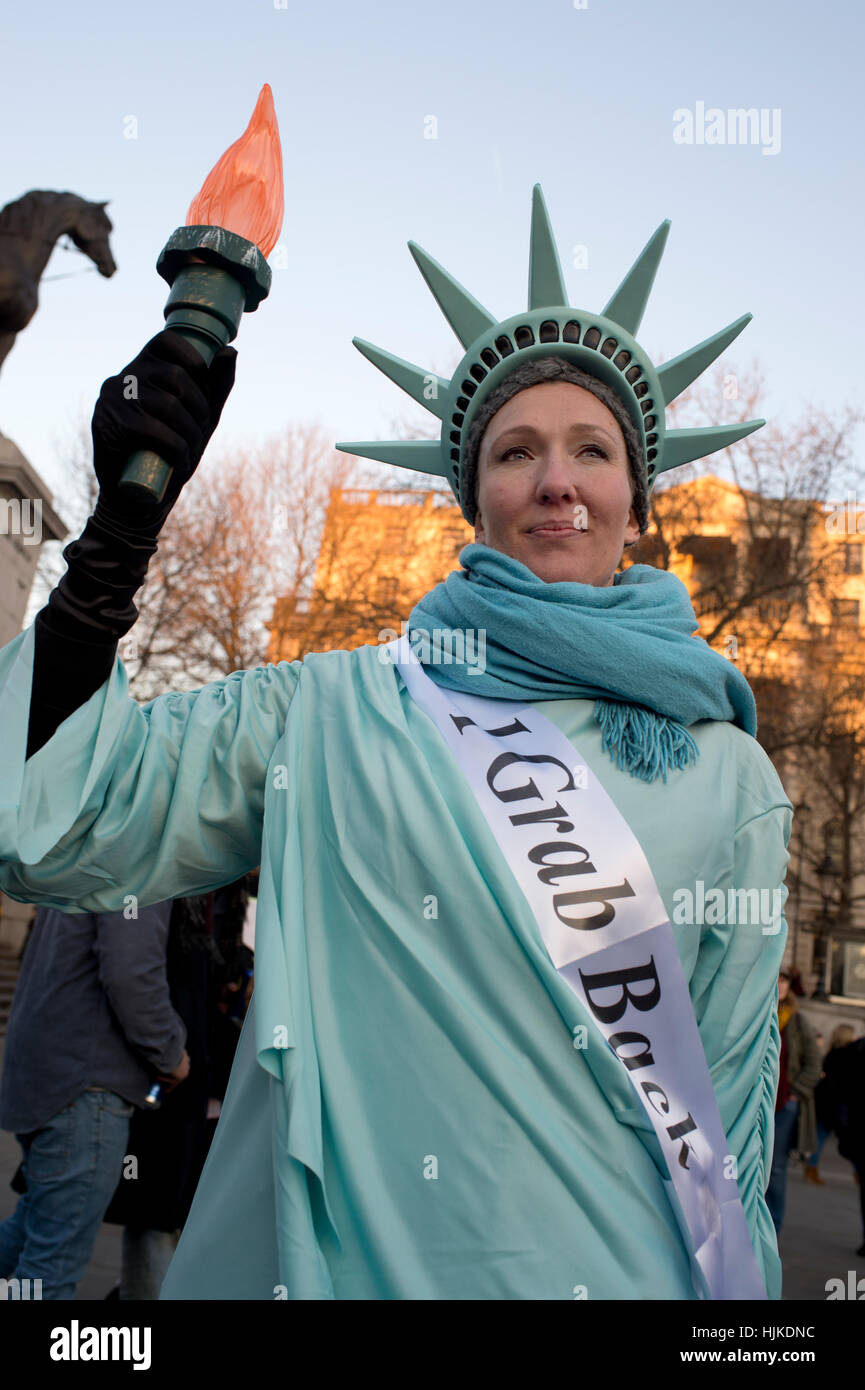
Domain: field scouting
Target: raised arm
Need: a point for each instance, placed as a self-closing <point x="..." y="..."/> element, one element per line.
<point x="100" y="798"/>
<point x="167" y="400"/>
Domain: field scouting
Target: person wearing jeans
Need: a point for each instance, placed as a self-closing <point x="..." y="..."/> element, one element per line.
<point x="798" y="1072"/>
<point x="70" y="1167"/>
<point x="91" y="1028"/>
<point x="785" y="1128"/>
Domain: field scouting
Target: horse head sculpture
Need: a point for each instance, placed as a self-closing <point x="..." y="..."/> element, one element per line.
<point x="91" y="234"/>
<point x="29" y="229"/>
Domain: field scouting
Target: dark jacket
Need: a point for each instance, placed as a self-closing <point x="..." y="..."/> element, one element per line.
<point x="850" y="1092"/>
<point x="800" y="1066"/>
<point x="91" y="1008"/>
<point x="826" y="1090"/>
<point x="171" y="1144"/>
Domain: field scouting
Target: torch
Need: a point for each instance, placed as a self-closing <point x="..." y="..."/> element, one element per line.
<point x="216" y="264"/>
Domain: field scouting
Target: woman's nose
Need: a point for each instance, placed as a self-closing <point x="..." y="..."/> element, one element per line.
<point x="557" y="478"/>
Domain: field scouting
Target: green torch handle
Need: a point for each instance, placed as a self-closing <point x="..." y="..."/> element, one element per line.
<point x="145" y="470"/>
<point x="205" y="305"/>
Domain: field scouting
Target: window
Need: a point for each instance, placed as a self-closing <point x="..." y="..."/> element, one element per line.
<point x="853" y="970"/>
<point x="843" y="753"/>
<point x="386" y="590"/>
<point x="712" y="551"/>
<point x="713" y="558"/>
<point x="713" y="568"/>
<point x="773" y="698"/>
<point x="648" y="550"/>
<point x="845" y="612"/>
<point x="853" y="558"/>
<point x="770" y="560"/>
<point x="394" y="539"/>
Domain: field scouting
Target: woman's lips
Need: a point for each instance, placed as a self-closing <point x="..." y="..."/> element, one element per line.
<point x="556" y="530"/>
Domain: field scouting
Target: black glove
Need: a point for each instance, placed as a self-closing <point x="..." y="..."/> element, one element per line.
<point x="174" y="406"/>
<point x="167" y="400"/>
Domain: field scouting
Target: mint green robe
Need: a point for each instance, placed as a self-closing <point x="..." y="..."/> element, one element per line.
<point x="408" y="1116"/>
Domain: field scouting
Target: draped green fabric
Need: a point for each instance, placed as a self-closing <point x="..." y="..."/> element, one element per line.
<point x="408" y="1116"/>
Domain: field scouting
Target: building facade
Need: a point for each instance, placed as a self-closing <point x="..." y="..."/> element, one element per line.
<point x="27" y="519"/>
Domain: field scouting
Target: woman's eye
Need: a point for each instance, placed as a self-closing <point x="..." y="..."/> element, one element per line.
<point x="518" y="449"/>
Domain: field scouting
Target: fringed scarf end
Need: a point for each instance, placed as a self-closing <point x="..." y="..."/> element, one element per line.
<point x="648" y="745"/>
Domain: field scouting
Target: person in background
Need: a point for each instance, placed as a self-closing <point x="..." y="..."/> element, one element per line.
<point x="799" y="1071"/>
<point x="91" y="1028"/>
<point x="850" y="1095"/>
<point x="796" y="985"/>
<point x="207" y="971"/>
<point x="231" y="986"/>
<point x="825" y="1097"/>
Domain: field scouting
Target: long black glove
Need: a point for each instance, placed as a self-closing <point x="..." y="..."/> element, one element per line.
<point x="166" y="400"/>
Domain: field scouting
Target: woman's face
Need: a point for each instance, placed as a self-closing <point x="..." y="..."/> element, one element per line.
<point x="554" y="486"/>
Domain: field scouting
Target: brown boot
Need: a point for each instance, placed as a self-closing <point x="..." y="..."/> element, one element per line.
<point x="812" y="1175"/>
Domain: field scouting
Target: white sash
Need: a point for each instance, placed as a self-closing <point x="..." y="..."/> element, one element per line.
<point x="613" y="945"/>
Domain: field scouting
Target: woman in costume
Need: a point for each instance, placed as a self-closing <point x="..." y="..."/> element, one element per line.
<point x="498" y="1047"/>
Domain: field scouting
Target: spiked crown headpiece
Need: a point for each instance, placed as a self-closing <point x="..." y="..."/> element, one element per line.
<point x="601" y="344"/>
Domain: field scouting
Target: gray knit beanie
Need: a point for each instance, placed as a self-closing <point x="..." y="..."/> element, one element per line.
<point x="557" y="369"/>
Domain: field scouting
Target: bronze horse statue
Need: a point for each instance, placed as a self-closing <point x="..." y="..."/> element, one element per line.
<point x="29" y="228"/>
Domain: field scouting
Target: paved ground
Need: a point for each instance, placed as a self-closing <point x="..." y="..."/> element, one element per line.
<point x="822" y="1227"/>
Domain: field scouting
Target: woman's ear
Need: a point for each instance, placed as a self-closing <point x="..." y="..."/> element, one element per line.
<point x="480" y="530"/>
<point x="632" y="529"/>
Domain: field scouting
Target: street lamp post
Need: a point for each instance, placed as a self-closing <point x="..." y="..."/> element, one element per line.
<point x="826" y="874"/>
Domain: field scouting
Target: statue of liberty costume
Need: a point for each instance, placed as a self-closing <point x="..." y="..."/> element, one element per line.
<point x="408" y="1116"/>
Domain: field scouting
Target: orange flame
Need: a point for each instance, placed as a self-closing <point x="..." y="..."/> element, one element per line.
<point x="243" y="191"/>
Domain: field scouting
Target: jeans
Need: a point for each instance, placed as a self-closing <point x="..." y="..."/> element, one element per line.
<point x="822" y="1135"/>
<point x="776" y="1192"/>
<point x="71" y="1166"/>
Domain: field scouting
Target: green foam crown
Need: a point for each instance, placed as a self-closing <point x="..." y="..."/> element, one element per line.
<point x="601" y="344"/>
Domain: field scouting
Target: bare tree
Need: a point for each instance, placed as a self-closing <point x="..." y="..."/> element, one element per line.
<point x="762" y="578"/>
<point x="338" y="597"/>
<point x="244" y="531"/>
<point x="764" y="572"/>
<point x="357" y="593"/>
<point x="825" y="779"/>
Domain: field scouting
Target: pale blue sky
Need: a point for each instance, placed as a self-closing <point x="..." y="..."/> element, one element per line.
<point x="581" y="100"/>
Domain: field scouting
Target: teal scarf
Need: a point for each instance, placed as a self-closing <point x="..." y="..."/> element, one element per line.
<point x="630" y="646"/>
